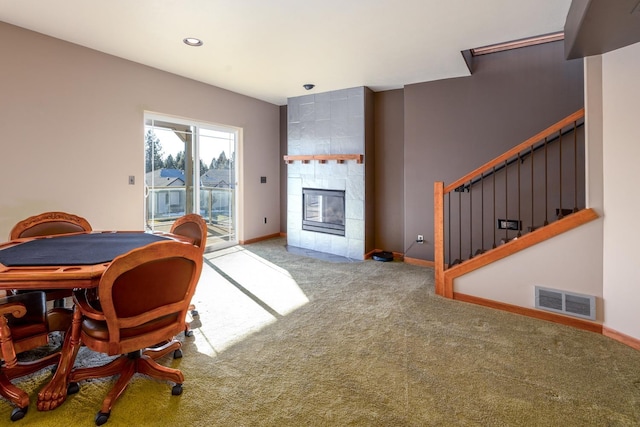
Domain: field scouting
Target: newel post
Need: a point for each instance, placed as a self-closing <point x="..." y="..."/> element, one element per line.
<point x="438" y="237"/>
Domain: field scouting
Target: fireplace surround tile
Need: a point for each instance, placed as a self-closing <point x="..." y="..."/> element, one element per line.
<point x="338" y="245"/>
<point x="353" y="209"/>
<point x="328" y="123"/>
<point x="308" y="240"/>
<point x="354" y="229"/>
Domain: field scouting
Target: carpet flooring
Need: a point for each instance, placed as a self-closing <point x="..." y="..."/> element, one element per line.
<point x="287" y="339"/>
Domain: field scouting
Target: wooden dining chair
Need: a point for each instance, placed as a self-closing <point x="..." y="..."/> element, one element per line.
<point x="143" y="299"/>
<point x="25" y="325"/>
<point x="195" y="227"/>
<point x="49" y="224"/>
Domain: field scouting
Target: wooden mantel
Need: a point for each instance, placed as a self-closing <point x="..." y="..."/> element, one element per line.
<point x="323" y="158"/>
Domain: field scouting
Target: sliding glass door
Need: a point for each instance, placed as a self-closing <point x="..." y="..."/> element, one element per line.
<point x="190" y="167"/>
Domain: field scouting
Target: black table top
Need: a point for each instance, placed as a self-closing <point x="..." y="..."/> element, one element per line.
<point x="75" y="249"/>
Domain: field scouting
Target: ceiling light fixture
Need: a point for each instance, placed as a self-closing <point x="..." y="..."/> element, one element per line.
<point x="308" y="86"/>
<point x="192" y="41"/>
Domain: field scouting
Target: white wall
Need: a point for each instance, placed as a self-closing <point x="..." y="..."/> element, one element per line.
<point x="571" y="262"/>
<point x="621" y="136"/>
<point x="71" y="132"/>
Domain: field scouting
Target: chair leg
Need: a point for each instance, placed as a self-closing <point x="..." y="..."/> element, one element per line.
<point x="125" y="375"/>
<point x="12" y="393"/>
<point x="110" y="369"/>
<point x="26" y="368"/>
<point x="126" y="366"/>
<point x="187" y="331"/>
<point x="158" y="352"/>
<point x="194" y="313"/>
<point x="149" y="367"/>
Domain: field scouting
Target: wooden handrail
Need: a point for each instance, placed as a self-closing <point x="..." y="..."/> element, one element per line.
<point x="521" y="158"/>
<point x="444" y="274"/>
<point x="515" y="150"/>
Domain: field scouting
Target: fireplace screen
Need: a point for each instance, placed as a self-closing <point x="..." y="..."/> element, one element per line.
<point x="323" y="211"/>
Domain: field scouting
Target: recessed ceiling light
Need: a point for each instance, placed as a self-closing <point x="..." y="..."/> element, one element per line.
<point x="192" y="41"/>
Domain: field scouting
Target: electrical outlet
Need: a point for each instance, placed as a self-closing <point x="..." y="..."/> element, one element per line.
<point x="420" y="238"/>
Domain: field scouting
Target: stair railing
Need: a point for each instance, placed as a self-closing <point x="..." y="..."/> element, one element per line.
<point x="533" y="184"/>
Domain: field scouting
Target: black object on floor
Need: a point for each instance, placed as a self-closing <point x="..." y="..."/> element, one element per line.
<point x="383" y="256"/>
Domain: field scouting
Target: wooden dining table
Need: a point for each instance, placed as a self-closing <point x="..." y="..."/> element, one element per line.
<point x="70" y="261"/>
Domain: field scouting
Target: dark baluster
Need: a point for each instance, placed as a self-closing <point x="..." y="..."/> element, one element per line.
<point x="546" y="204"/>
<point x="560" y="214"/>
<point x="494" y="206"/>
<point x="506" y="201"/>
<point x="470" y="220"/>
<point x="575" y="167"/>
<point x="460" y="226"/>
<point x="519" y="203"/>
<point x="482" y="213"/>
<point x="533" y="227"/>
<point x="449" y="226"/>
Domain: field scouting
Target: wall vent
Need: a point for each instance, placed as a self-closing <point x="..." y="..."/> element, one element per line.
<point x="569" y="303"/>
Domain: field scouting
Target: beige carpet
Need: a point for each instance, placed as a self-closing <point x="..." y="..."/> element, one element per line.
<point x="288" y="340"/>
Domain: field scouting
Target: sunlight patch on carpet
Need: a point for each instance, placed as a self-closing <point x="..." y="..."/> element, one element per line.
<point x="271" y="284"/>
<point x="240" y="293"/>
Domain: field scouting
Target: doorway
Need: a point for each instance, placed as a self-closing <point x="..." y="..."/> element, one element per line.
<point x="190" y="167"/>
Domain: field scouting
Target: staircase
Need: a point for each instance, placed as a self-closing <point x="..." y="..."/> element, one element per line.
<point x="527" y="195"/>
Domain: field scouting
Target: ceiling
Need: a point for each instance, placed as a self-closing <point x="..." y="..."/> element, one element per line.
<point x="267" y="49"/>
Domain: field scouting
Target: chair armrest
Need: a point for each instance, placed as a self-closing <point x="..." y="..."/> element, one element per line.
<point x="28" y="308"/>
<point x="82" y="303"/>
<point x="16" y="309"/>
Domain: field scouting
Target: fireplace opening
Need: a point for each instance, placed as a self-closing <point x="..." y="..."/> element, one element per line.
<point x="323" y="211"/>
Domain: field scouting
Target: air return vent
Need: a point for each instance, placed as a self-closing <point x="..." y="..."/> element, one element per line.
<point x="568" y="303"/>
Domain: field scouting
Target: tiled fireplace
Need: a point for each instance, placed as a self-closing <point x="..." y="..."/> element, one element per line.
<point x="327" y="183"/>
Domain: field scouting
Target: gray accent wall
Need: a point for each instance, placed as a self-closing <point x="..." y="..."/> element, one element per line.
<point x="389" y="171"/>
<point x="454" y="126"/>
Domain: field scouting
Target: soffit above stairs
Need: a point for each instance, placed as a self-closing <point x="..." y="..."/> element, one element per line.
<point x="594" y="27"/>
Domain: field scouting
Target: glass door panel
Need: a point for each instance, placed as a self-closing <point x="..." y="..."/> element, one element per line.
<point x="172" y="150"/>
<point x="217" y="153"/>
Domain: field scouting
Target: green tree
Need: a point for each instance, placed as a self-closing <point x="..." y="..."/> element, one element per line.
<point x="170" y="163"/>
<point x="222" y="162"/>
<point x="203" y="168"/>
<point x="180" y="161"/>
<point x="153" y="152"/>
